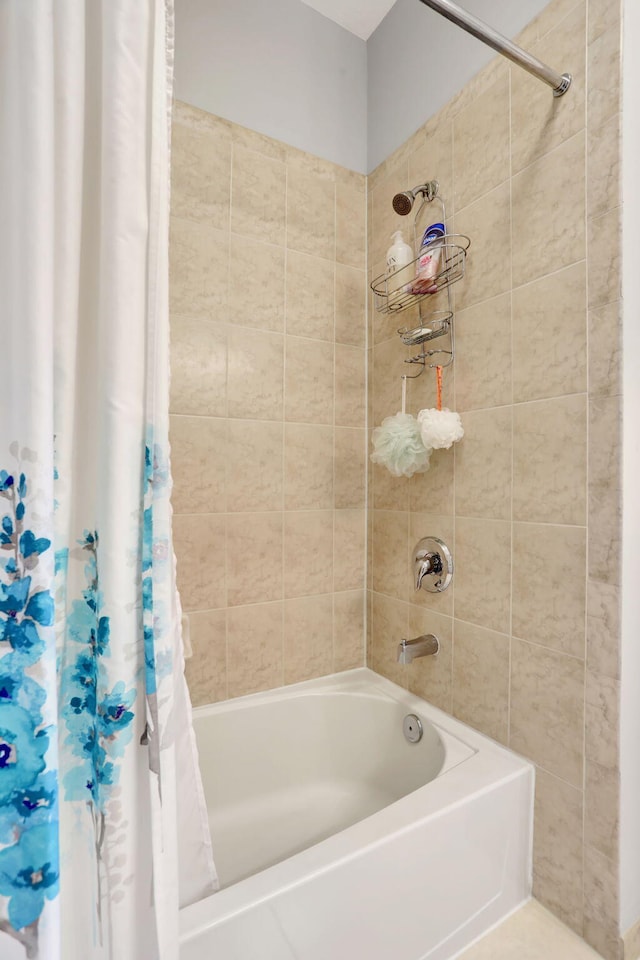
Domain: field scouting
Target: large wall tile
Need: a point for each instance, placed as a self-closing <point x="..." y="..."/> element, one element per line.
<point x="550" y="336"/>
<point x="605" y="484"/>
<point x="601" y="899"/>
<point x="433" y="160"/>
<point x="602" y="15"/>
<point x="488" y="223"/>
<point x="432" y="491"/>
<point x="256" y="374"/>
<point x="198" y="457"/>
<point x="349" y="630"/>
<point x="482" y="587"/>
<point x="349" y="468"/>
<point x="350" y="386"/>
<point x="557" y="848"/>
<point x="308" y="467"/>
<point x="206" y="669"/>
<point x="540" y="122"/>
<point x="602" y="803"/>
<point x="308" y="638"/>
<point x="309" y="381"/>
<point x="389" y="625"/>
<point x="603" y="628"/>
<point x="388" y="492"/>
<point x="602" y="708"/>
<point x="254" y="557"/>
<point x="308" y="553"/>
<point x="350" y="305"/>
<point x="605" y="350"/>
<point x="201" y="174"/>
<point x="431" y="677"/>
<point x="481" y="679"/>
<point x="604" y="167"/>
<point x="198" y="368"/>
<point x="310" y="296"/>
<point x="198" y="270"/>
<point x="549" y="571"/>
<point x="548" y="210"/>
<point x="351" y="235"/>
<point x="483" y="465"/>
<point x="390" y="553"/>
<point x="604" y="66"/>
<point x="483" y="354"/>
<point x="550" y="461"/>
<point x="256" y="284"/>
<point x="254" y="648"/>
<point x="547" y="709"/>
<point x="311" y="218"/>
<point x="348" y="549"/>
<point x="254" y="461"/>
<point x="200" y="545"/>
<point x="605" y="266"/>
<point x="481" y="147"/>
<point x="258" y="196"/>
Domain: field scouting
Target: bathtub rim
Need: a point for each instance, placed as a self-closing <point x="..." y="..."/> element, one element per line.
<point x="489" y="766"/>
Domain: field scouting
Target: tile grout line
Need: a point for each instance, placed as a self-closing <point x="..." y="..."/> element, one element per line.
<point x="510" y="663"/>
<point x="284" y="406"/>
<point x="587" y="439"/>
<point x="366" y="613"/>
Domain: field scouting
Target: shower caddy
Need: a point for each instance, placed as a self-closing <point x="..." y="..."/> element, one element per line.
<point x="393" y="292"/>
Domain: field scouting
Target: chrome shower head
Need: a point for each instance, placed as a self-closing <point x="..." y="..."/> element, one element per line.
<point x="403" y="202"/>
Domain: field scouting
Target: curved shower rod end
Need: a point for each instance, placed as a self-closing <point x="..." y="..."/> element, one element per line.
<point x="562" y="87"/>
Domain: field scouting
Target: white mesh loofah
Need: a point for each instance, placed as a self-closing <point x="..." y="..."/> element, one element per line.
<point x="398" y="446"/>
<point x="440" y="428"/>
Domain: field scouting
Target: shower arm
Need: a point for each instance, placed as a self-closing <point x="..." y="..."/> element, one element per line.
<point x="482" y="31"/>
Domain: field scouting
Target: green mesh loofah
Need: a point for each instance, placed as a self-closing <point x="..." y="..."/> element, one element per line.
<point x="398" y="446"/>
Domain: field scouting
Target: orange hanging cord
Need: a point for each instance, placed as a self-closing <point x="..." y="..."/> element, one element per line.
<point x="439" y="387"/>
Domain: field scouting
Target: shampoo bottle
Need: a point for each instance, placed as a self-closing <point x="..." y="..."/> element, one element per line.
<point x="399" y="255"/>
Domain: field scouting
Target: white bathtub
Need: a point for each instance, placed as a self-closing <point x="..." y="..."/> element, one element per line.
<point x="336" y="839"/>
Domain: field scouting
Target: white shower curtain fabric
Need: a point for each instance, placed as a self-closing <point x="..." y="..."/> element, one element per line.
<point x="103" y="828"/>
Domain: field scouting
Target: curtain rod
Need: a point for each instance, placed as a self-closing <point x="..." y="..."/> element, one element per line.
<point x="560" y="82"/>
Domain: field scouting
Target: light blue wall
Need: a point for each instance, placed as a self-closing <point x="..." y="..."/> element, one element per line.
<point x="417" y="61"/>
<point x="278" y="67"/>
<point x="281" y="68"/>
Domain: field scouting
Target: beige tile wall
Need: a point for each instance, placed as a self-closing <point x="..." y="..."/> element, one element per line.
<point x="267" y="407"/>
<point x="529" y="501"/>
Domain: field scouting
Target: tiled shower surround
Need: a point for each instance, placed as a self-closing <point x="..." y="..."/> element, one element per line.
<point x="267" y="407"/>
<point x="268" y="404"/>
<point x="529" y="500"/>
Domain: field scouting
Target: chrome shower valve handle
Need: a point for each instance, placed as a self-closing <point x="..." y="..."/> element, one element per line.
<point x="432" y="565"/>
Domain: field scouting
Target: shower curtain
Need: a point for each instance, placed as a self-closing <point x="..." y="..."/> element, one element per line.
<point x="98" y="844"/>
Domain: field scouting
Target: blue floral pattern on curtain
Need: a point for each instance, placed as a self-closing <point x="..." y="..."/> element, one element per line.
<point x="29" y="868"/>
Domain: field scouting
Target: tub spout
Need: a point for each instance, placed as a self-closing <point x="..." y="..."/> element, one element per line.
<point x="426" y="646"/>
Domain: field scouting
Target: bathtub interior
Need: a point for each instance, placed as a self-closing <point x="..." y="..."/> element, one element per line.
<point x="283" y="773"/>
<point x="445" y="854"/>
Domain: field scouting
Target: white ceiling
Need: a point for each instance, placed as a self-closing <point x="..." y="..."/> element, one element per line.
<point x="358" y="16"/>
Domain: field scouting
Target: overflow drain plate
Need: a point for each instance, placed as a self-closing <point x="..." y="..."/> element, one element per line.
<point x="412" y="728"/>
